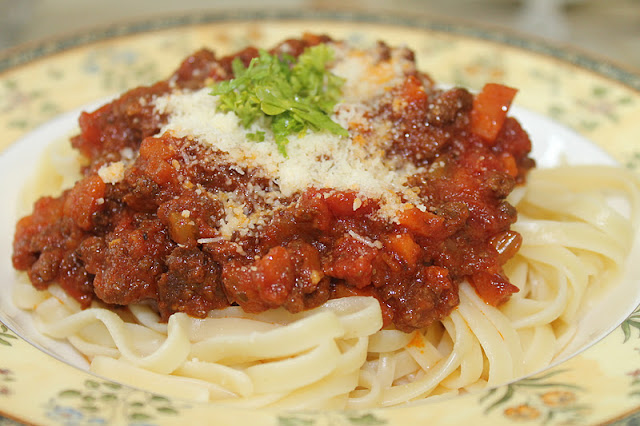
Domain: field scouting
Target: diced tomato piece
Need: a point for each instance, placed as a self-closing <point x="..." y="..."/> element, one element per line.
<point x="420" y="222"/>
<point x="183" y="230"/>
<point x="403" y="246"/>
<point x="352" y="261"/>
<point x="506" y="244"/>
<point x="84" y="199"/>
<point x="509" y="164"/>
<point x="90" y="140"/>
<point x="276" y="276"/>
<point x="493" y="288"/>
<point x="347" y="203"/>
<point x="413" y="90"/>
<point x="156" y="156"/>
<point x="265" y="284"/>
<point x="321" y="217"/>
<point x="490" y="109"/>
<point x="89" y="126"/>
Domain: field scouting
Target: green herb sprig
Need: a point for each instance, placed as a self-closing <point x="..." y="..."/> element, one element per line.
<point x="294" y="95"/>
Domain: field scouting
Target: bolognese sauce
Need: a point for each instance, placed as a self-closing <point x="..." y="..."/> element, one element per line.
<point x="169" y="215"/>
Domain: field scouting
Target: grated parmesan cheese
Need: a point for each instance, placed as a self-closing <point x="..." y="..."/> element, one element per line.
<point x="365" y="241"/>
<point x="112" y="172"/>
<point x="321" y="160"/>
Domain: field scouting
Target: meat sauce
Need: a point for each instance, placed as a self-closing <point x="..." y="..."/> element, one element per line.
<point x="153" y="237"/>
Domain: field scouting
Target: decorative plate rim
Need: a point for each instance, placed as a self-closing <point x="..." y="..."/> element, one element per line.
<point x="38" y="49"/>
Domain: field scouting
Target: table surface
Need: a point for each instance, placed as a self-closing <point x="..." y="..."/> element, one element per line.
<point x="608" y="29"/>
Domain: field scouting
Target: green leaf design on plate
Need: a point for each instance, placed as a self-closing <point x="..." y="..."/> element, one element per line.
<point x="92" y="384"/>
<point x="538" y="398"/>
<point x="159" y="398"/>
<point x="632" y="321"/>
<point x="366" y="419"/>
<point x="112" y="385"/>
<point x="109" y="397"/>
<point x="167" y="410"/>
<point x="70" y="393"/>
<point x="600" y="91"/>
<point x="105" y="401"/>
<point x="294" y="421"/>
<point x="532" y="382"/>
<point x="139" y="416"/>
<point x="331" y="418"/>
<point x="6" y="335"/>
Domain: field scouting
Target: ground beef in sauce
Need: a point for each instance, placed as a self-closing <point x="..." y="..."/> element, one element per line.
<point x="153" y="237"/>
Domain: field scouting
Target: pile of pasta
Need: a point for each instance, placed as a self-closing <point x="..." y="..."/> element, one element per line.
<point x="338" y="355"/>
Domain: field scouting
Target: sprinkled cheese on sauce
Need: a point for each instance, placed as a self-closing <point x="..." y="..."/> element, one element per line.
<point x="365" y="72"/>
<point x="112" y="173"/>
<point x="322" y="160"/>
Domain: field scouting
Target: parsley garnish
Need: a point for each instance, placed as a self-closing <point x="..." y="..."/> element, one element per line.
<point x="295" y="95"/>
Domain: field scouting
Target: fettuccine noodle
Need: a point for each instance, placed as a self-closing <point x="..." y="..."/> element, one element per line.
<point x="337" y="355"/>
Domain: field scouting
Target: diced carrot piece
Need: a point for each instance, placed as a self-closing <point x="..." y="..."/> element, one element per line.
<point x="490" y="109"/>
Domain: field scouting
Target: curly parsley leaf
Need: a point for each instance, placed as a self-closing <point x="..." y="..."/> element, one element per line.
<point x="294" y="95"/>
